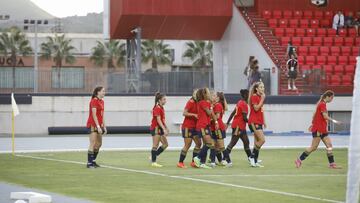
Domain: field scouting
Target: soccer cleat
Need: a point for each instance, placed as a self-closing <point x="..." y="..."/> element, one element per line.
<point x="197" y="162"/>
<point x="252" y="162"/>
<point x="156" y="165"/>
<point x="259" y="161"/>
<point x="181" y="165"/>
<point x="96" y="165"/>
<point x="228" y="165"/>
<point x="334" y="166"/>
<point x="212" y="165"/>
<point x="294" y="87"/>
<point x="223" y="163"/>
<point x="298" y="163"/>
<point x="289" y="87"/>
<point x="258" y="165"/>
<point x="205" y="166"/>
<point x="90" y="165"/>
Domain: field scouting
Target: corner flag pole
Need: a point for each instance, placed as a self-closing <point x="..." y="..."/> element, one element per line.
<point x="14" y="112"/>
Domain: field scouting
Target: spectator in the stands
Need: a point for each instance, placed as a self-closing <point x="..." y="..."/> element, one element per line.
<point x="255" y="75"/>
<point x="291" y="50"/>
<point x="247" y="70"/>
<point x="292" y="65"/>
<point x="252" y="66"/>
<point x="357" y="22"/>
<point x="349" y="20"/>
<point x="338" y="21"/>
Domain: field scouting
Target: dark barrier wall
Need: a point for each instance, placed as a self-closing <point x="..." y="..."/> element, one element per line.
<point x="333" y="5"/>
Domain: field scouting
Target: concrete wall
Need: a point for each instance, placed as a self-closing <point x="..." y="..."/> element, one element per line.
<point x="231" y="55"/>
<point x="135" y="111"/>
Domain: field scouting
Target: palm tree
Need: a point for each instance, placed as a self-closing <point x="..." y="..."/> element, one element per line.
<point x="107" y="52"/>
<point x="14" y="43"/>
<point x="156" y="51"/>
<point x="200" y="52"/>
<point x="60" y="50"/>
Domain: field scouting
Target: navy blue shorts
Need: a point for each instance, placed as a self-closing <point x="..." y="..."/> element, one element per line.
<point x="257" y="127"/>
<point x="188" y="133"/>
<point x="218" y="134"/>
<point x="204" y="131"/>
<point x="238" y="132"/>
<point x="157" y="131"/>
<point x="318" y="134"/>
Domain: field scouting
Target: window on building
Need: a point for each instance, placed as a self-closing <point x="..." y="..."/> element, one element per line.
<point x="68" y="77"/>
<point x="24" y="77"/>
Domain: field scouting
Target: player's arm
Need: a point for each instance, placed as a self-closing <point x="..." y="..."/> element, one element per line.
<point x="231" y="116"/>
<point x="245" y="118"/>
<point x="93" y="113"/>
<point x="327" y="117"/>
<point x="161" y="124"/>
<point x="187" y="114"/>
<point x="210" y="113"/>
<point x="258" y="106"/>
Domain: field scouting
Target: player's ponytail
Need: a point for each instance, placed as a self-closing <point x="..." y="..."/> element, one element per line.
<point x="158" y="97"/>
<point x="96" y="91"/>
<point x="222" y="100"/>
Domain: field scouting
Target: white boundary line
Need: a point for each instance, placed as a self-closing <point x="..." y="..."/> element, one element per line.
<point x="191" y="179"/>
<point x="148" y="148"/>
<point x="269" y="175"/>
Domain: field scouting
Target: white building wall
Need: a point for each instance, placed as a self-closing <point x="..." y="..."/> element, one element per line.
<point x="46" y="111"/>
<point x="231" y="55"/>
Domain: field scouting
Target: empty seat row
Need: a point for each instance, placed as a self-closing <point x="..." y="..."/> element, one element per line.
<point x="296" y="23"/>
<point x="267" y="14"/>
<point x="321" y="41"/>
<point x="327" y="60"/>
<point x="337" y="80"/>
<point x="326" y="51"/>
<point x="331" y="69"/>
<point x="314" y="32"/>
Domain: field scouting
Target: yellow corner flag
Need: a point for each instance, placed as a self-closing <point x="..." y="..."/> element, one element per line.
<point x="15" y="112"/>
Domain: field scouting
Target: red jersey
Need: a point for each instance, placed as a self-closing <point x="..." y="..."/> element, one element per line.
<point x="218" y="108"/>
<point x="319" y="123"/>
<point x="99" y="105"/>
<point x="203" y="118"/>
<point x="190" y="122"/>
<point x="241" y="107"/>
<point x="157" y="111"/>
<point x="256" y="117"/>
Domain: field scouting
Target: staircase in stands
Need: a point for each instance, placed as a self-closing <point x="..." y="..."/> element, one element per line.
<point x="276" y="52"/>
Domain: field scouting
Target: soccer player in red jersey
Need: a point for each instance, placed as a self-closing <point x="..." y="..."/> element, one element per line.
<point x="158" y="128"/>
<point x="319" y="131"/>
<point x="96" y="124"/>
<point x="219" y="134"/>
<point x="205" y="114"/>
<point x="188" y="129"/>
<point x="239" y="125"/>
<point x="256" y="120"/>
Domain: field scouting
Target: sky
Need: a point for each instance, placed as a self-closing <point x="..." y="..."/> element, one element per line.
<point x="63" y="8"/>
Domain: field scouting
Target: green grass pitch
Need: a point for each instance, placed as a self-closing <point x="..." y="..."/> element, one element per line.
<point x="170" y="184"/>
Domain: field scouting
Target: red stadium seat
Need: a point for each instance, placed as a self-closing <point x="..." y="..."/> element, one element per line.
<point x="346" y="13"/>
<point x="285" y="41"/>
<point x="288" y="14"/>
<point x="314" y="23"/>
<point x="331" y="33"/>
<point x="342" y="32"/>
<point x="303" y="50"/>
<point x="317" y="41"/>
<point x="328" y="41"/>
<point x="314" y="51"/>
<point x="335" y="80"/>
<point x="301" y="60"/>
<point x="346" y="51"/>
<point x="277" y="14"/>
<point x="339" y="41"/>
<point x="318" y="15"/>
<point x="296" y="41"/>
<point x="352" y="32"/>
<point x="321" y="60"/>
<point x="310" y="60"/>
<point x="349" y="41"/>
<point x="290" y="32"/>
<point x="335" y="51"/>
<point x="306" y="41"/>
<point x="279" y="32"/>
<point x="328" y="69"/>
<point x="355" y="51"/>
<point x="308" y="14"/>
<point x="357" y="41"/>
<point x="273" y="23"/>
<point x="325" y="23"/>
<point x="347" y="80"/>
<point x="294" y="23"/>
<point x="304" y="23"/>
<point x="266" y="14"/>
<point x="328" y="15"/>
<point x="349" y="69"/>
<point x="321" y="32"/>
<point x="283" y="23"/>
<point x="298" y="14"/>
<point x="338" y="69"/>
<point x="352" y="60"/>
<point x="310" y="32"/>
<point x="300" y="32"/>
<point x="317" y="66"/>
<point x="343" y="60"/>
<point x="324" y="51"/>
<point x="332" y="60"/>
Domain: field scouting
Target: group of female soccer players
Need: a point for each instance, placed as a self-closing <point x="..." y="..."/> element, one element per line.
<point x="203" y="124"/>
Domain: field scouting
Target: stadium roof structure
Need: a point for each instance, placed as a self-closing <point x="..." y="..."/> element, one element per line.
<point x="167" y="19"/>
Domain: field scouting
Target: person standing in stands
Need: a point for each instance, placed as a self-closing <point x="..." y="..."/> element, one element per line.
<point x="247" y="71"/>
<point x="255" y="75"/>
<point x="291" y="66"/>
<point x="291" y="50"/>
<point x="338" y="21"/>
